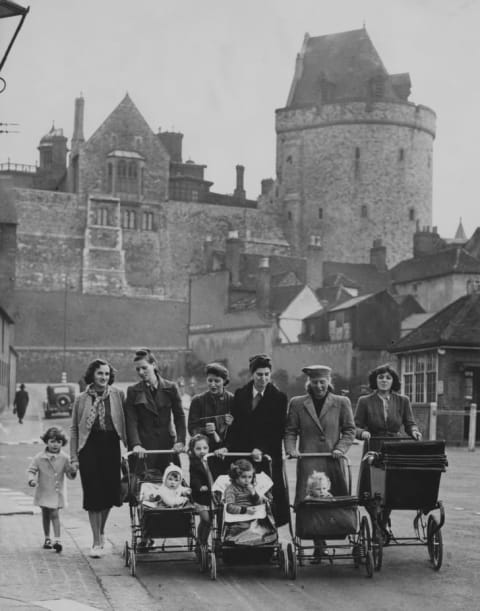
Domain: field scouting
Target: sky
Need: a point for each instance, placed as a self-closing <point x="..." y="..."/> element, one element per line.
<point x="216" y="70"/>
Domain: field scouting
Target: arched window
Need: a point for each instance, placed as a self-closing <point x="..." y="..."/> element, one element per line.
<point x="129" y="219"/>
<point x="147" y="221"/>
<point x="101" y="216"/>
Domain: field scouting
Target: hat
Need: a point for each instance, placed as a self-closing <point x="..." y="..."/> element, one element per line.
<point x="317" y="371"/>
<point x="219" y="370"/>
<point x="259" y="360"/>
<point x="172" y="469"/>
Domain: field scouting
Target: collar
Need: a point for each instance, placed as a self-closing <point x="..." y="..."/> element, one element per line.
<point x="257" y="392"/>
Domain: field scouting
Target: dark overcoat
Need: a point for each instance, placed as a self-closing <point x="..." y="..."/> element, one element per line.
<point x="149" y="421"/>
<point x="370" y="416"/>
<point x="205" y="408"/>
<point x="20" y="403"/>
<point x="262" y="428"/>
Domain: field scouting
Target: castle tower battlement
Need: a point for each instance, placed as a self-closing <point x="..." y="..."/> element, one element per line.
<point x="354" y="155"/>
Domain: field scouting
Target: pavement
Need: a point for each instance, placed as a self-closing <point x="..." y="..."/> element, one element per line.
<point x="32" y="578"/>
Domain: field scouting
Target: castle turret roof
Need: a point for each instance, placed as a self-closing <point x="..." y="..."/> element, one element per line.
<point x="52" y="135"/>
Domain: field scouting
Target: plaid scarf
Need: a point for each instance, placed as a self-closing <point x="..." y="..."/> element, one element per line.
<point x="97" y="407"/>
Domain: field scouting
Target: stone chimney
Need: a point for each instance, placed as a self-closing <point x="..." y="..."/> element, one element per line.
<point x="172" y="141"/>
<point x="239" y="192"/>
<point x="233" y="253"/>
<point x="78" y="137"/>
<point x="267" y="185"/>
<point x="426" y="241"/>
<point x="315" y="262"/>
<point x="378" y="256"/>
<point x="263" y="285"/>
<point x="208" y="253"/>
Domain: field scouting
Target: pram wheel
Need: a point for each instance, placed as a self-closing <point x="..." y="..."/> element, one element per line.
<point x="366" y="545"/>
<point x="212" y="565"/>
<point x="126" y="554"/>
<point x="434" y="543"/>
<point x="285" y="563"/>
<point x="369" y="564"/>
<point x="292" y="561"/>
<point x="357" y="555"/>
<point x="377" y="548"/>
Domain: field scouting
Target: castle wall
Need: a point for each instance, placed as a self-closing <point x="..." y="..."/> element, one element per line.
<point x="354" y="172"/>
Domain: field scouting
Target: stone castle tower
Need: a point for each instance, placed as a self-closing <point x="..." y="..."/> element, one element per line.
<point x="354" y="156"/>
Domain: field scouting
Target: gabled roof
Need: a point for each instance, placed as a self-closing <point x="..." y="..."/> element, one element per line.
<point x="456" y="325"/>
<point x="363" y="276"/>
<point x="351" y="303"/>
<point x="460" y="235"/>
<point x="453" y="260"/>
<point x="280" y="298"/>
<point x="344" y="62"/>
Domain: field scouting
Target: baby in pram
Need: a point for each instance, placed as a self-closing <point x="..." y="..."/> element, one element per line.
<point x="170" y="493"/>
<point x="247" y="515"/>
<point x="318" y="486"/>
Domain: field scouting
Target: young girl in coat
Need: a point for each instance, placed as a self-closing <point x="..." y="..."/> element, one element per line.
<point x="46" y="474"/>
<point x="200" y="483"/>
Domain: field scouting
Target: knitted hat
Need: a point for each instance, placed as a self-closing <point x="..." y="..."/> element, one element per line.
<point x="172" y="469"/>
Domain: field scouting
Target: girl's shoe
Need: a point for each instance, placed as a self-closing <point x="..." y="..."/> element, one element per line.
<point x="95" y="552"/>
<point x="47" y="544"/>
<point x="57" y="546"/>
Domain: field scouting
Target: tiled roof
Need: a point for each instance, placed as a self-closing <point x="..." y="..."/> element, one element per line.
<point x="448" y="261"/>
<point x="280" y="298"/>
<point x="350" y="303"/>
<point x="346" y="62"/>
<point x="363" y="276"/>
<point x="456" y="325"/>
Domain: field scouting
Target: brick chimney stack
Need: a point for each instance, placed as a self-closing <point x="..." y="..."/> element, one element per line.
<point x="239" y="192"/>
<point x="78" y="138"/>
<point x="263" y="285"/>
<point x="233" y="252"/>
<point x="378" y="255"/>
<point x="208" y="253"/>
<point x="314" y="272"/>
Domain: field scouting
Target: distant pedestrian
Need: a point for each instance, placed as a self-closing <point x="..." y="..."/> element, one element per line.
<point x="20" y="403"/>
<point x="46" y="474"/>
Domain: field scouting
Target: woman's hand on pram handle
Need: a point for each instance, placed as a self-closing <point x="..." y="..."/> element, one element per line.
<point x="293" y="454"/>
<point x="220" y="453"/>
<point x="179" y="447"/>
<point x="366" y="435"/>
<point x="257" y="455"/>
<point x="337" y="454"/>
<point x="140" y="450"/>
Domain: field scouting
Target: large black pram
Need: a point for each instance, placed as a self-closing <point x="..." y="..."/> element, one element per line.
<point x="335" y="520"/>
<point x="404" y="474"/>
<point x="264" y="550"/>
<point x="150" y="523"/>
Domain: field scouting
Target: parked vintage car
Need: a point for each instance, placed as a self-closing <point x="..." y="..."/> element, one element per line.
<point x="60" y="398"/>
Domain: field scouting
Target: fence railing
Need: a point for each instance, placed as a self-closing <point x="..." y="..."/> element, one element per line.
<point x="472" y="422"/>
<point x="17" y="167"/>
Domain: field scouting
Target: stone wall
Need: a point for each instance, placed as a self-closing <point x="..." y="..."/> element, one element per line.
<point x="355" y="169"/>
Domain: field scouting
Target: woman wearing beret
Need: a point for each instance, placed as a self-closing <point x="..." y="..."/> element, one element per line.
<point x="98" y="426"/>
<point x="321" y="422"/>
<point x="210" y="411"/>
<point x="149" y="408"/>
<point x="259" y="412"/>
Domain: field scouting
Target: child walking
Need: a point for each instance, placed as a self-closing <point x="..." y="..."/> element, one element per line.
<point x="46" y="474"/>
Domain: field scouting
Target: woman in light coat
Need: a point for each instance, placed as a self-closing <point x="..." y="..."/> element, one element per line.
<point x="98" y="426"/>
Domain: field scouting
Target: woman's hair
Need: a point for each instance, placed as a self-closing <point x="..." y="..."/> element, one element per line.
<point x="372" y="377"/>
<point x="194" y="439"/>
<point x="145" y="354"/>
<point x="92" y="368"/>
<point x="54" y="432"/>
<point x="258" y="362"/>
<point x="217" y="369"/>
<point x="239" y="467"/>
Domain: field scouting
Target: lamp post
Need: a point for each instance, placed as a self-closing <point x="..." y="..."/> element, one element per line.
<point x="10" y="9"/>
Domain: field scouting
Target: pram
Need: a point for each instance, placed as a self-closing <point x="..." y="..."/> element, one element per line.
<point x="257" y="545"/>
<point x="335" y="520"/>
<point x="404" y="474"/>
<point x="149" y="521"/>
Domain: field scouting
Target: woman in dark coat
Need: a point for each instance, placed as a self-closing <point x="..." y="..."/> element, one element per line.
<point x="20" y="403"/>
<point x="259" y="413"/>
<point x="210" y="411"/>
<point x="148" y="409"/>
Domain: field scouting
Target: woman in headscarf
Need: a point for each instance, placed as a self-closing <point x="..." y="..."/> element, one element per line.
<point x="321" y="422"/>
<point x="98" y="426"/>
<point x="259" y="412"/>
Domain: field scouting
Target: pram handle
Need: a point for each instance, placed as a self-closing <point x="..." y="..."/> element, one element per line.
<point x="172" y="451"/>
<point x="323" y="454"/>
<point x="237" y="455"/>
